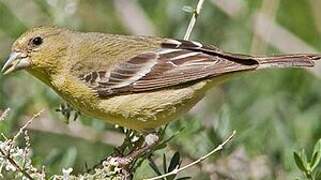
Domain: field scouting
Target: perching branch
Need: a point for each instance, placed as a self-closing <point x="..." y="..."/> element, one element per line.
<point x="177" y="170"/>
<point x="193" y="19"/>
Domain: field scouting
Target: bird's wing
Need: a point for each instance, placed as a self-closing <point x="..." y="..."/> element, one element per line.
<point x="175" y="63"/>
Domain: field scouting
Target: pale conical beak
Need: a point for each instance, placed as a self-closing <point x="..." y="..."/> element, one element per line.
<point x="16" y="61"/>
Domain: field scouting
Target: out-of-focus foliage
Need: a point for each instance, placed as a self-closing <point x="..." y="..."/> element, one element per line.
<point x="308" y="167"/>
<point x="275" y="112"/>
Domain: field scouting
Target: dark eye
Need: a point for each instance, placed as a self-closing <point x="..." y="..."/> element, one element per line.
<point x="37" y="41"/>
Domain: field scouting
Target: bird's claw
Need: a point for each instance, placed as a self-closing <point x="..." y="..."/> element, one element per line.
<point x="67" y="110"/>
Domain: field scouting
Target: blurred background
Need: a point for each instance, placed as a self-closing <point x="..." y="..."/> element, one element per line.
<point x="274" y="112"/>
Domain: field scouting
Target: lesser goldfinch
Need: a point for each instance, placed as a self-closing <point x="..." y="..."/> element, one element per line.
<point x="137" y="82"/>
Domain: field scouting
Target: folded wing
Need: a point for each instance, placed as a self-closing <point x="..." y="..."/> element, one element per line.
<point x="176" y="63"/>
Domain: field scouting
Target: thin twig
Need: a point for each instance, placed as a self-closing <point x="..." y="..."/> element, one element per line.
<point x="177" y="170"/>
<point x="13" y="162"/>
<point x="193" y="19"/>
<point x="4" y="114"/>
<point x="7" y="154"/>
<point x="26" y="125"/>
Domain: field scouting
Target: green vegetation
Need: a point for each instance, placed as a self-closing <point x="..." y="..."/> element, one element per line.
<point x="275" y="112"/>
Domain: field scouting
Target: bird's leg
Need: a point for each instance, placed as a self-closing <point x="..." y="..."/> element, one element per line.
<point x="130" y="141"/>
<point x="66" y="110"/>
<point x="150" y="140"/>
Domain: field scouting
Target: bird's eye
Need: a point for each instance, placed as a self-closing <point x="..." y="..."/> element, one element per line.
<point x="36" y="41"/>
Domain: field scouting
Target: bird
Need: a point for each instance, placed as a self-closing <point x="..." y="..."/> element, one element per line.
<point x="138" y="82"/>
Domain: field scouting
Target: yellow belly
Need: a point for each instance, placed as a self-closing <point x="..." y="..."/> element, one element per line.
<point x="139" y="111"/>
<point x="144" y="111"/>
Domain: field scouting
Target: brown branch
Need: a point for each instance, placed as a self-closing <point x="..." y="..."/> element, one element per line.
<point x="15" y="164"/>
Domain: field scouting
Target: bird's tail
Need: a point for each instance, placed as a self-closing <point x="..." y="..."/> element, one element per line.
<point x="291" y="60"/>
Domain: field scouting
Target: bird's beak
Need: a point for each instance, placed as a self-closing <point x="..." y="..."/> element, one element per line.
<point x="16" y="61"/>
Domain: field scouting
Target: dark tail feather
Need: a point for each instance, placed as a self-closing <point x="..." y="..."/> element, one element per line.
<point x="284" y="61"/>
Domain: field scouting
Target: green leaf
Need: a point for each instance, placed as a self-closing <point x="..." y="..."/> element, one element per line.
<point x="316" y="155"/>
<point x="175" y="161"/>
<point x="163" y="144"/>
<point x="317" y="147"/>
<point x="299" y="162"/>
<point x="304" y="158"/>
<point x="164" y="163"/>
<point x="69" y="157"/>
<point x="53" y="156"/>
<point x="183" y="178"/>
<point x="153" y="165"/>
<point x="317" y="174"/>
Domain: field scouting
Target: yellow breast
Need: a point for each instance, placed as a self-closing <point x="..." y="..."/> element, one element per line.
<point x="149" y="110"/>
<point x="139" y="111"/>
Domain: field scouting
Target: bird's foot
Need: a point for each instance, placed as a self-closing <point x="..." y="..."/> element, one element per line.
<point x="68" y="112"/>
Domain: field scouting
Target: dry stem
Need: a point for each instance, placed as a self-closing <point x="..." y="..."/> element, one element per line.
<point x="193" y="19"/>
<point x="4" y="114"/>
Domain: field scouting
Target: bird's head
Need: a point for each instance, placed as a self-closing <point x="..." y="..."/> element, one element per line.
<point x="39" y="50"/>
